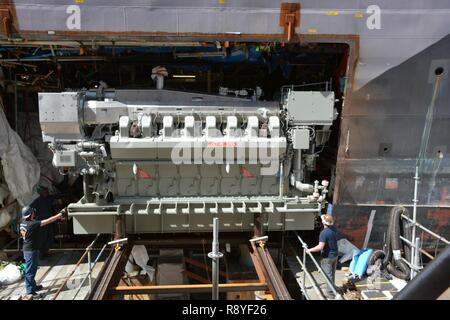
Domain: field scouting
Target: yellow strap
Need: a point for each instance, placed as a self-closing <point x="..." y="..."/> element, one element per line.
<point x="371" y="284"/>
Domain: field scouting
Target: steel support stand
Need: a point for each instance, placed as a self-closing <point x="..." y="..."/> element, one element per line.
<point x="215" y="255"/>
<point x="413" y="235"/>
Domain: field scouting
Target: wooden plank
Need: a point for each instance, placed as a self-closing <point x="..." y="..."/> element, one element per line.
<point x="46" y="266"/>
<point x="7" y="292"/>
<point x="82" y="295"/>
<point x="76" y="278"/>
<point x="57" y="274"/>
<point x="137" y="281"/>
<point x="17" y="289"/>
<point x="80" y="273"/>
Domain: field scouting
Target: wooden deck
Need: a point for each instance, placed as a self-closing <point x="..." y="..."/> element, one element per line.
<point x="52" y="273"/>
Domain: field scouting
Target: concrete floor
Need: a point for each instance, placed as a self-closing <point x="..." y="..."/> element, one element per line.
<point x="51" y="274"/>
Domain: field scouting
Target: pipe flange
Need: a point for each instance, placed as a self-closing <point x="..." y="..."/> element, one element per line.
<point x="213" y="255"/>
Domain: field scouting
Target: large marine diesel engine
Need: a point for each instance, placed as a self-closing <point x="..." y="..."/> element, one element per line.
<point x="170" y="161"/>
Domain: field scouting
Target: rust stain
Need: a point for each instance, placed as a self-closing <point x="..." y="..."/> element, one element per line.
<point x="8" y="18"/>
<point x="354" y="228"/>
<point x="185" y="34"/>
<point x="438" y="221"/>
<point x="289" y="18"/>
<point x="138" y="37"/>
<point x="5" y="22"/>
<point x="353" y="225"/>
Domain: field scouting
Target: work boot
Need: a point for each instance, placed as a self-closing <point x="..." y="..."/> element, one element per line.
<point x="39" y="287"/>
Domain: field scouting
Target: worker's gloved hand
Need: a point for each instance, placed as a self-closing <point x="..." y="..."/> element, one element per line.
<point x="64" y="214"/>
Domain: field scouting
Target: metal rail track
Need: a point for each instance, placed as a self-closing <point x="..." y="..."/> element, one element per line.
<point x="107" y="284"/>
<point x="268" y="272"/>
<point x="112" y="272"/>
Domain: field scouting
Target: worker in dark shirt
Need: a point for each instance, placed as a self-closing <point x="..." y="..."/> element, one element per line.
<point x="29" y="230"/>
<point x="44" y="210"/>
<point x="328" y="248"/>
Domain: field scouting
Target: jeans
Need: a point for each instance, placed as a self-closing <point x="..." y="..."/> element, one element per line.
<point x="329" y="267"/>
<point x="31" y="262"/>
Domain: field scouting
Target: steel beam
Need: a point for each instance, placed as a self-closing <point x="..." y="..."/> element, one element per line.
<point x="111" y="274"/>
<point x="188" y="288"/>
<point x="266" y="269"/>
<point x="192" y="240"/>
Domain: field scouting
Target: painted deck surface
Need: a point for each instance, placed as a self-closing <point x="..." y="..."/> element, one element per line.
<point x="310" y="293"/>
<point x="52" y="273"/>
<point x="379" y="289"/>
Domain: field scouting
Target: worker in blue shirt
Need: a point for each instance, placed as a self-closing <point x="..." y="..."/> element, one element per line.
<point x="44" y="210"/>
<point x="328" y="248"/>
<point x="29" y="230"/>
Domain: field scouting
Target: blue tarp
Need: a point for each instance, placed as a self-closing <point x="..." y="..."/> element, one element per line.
<point x="359" y="264"/>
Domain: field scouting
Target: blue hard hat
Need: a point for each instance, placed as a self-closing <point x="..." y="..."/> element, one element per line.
<point x="27" y="212"/>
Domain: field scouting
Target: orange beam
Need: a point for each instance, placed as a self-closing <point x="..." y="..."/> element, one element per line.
<point x="192" y="288"/>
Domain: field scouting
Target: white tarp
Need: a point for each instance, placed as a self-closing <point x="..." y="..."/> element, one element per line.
<point x="20" y="167"/>
<point x="7" y="215"/>
<point x="140" y="256"/>
<point x="10" y="274"/>
<point x="347" y="249"/>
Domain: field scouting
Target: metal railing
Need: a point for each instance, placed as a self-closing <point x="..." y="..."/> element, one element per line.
<point x="323" y="85"/>
<point x="306" y="273"/>
<point x="415" y="242"/>
<point x="89" y="274"/>
<point x="416" y="246"/>
<point x="87" y="255"/>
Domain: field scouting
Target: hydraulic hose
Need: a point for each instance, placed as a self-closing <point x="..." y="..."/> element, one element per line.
<point x="393" y="260"/>
<point x="431" y="282"/>
<point x="387" y="248"/>
<point x="375" y="262"/>
<point x="399" y="269"/>
<point x="375" y="256"/>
